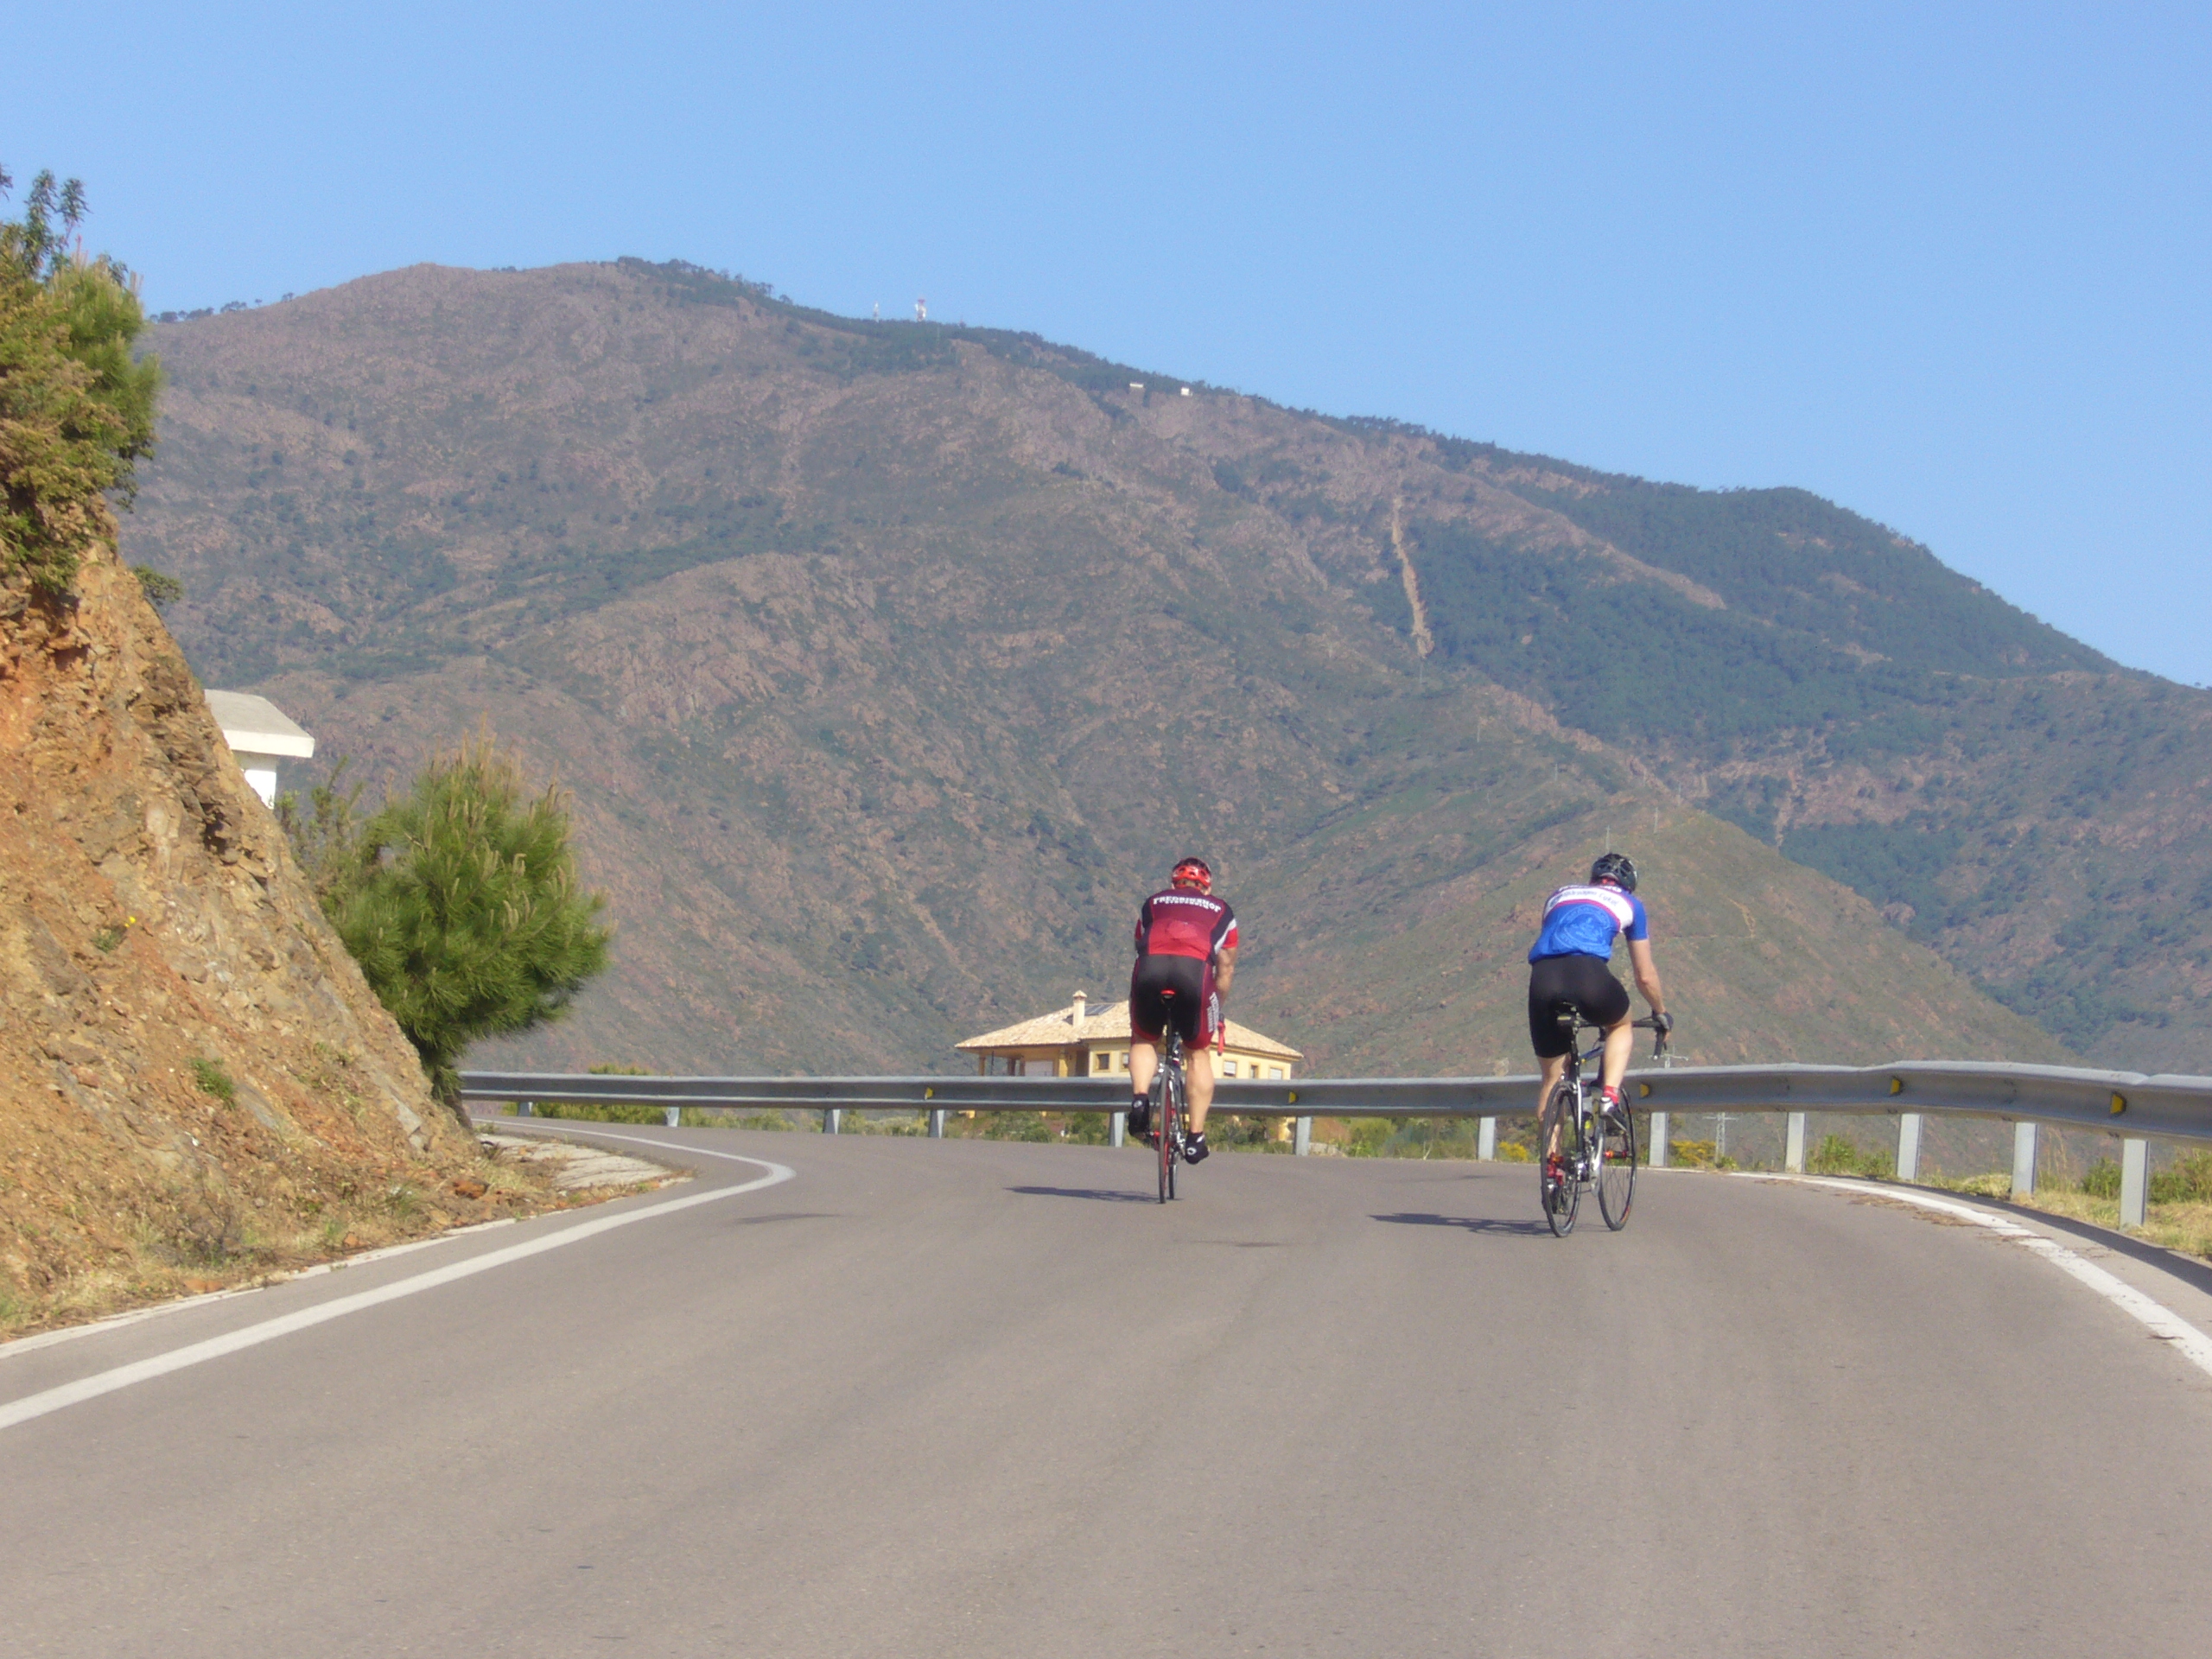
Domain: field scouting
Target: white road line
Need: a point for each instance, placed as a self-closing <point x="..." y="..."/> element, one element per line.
<point x="2160" y="1320"/>
<point x="91" y="1388"/>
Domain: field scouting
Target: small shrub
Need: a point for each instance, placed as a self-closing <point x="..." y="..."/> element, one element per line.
<point x="214" y="1080"/>
<point x="766" y="1121"/>
<point x="107" y="938"/>
<point x="1018" y="1126"/>
<point x="161" y="590"/>
<point x="2189" y="1180"/>
<point x="2101" y="1179"/>
<point x="1698" y="1155"/>
<point x="1512" y="1151"/>
<point x="1839" y="1155"/>
<point x="1367" y="1136"/>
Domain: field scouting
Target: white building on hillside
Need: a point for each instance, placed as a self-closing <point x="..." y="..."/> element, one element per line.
<point x="260" y="734"/>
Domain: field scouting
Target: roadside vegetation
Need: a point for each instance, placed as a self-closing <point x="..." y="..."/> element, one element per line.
<point x="459" y="899"/>
<point x="76" y="411"/>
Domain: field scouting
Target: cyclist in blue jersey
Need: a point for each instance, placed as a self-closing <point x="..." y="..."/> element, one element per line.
<point x="1567" y="968"/>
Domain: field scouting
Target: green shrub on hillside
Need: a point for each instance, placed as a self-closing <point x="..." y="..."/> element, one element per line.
<point x="463" y="910"/>
<point x="76" y="413"/>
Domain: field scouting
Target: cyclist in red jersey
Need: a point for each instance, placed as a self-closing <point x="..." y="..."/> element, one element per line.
<point x="1187" y="945"/>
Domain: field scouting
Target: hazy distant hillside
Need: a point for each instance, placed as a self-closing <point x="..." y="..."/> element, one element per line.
<point x="890" y="661"/>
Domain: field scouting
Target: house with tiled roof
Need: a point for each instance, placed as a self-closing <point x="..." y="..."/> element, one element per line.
<point x="1074" y="1042"/>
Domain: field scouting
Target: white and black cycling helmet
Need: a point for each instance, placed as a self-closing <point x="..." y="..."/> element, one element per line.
<point x="1616" y="869"/>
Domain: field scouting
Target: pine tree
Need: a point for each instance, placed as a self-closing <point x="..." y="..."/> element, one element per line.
<point x="464" y="911"/>
<point x="76" y="410"/>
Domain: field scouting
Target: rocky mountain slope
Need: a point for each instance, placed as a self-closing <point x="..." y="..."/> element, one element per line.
<point x="890" y="663"/>
<point x="195" y="1082"/>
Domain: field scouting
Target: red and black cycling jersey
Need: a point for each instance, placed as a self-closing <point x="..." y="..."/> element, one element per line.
<point x="1184" y="922"/>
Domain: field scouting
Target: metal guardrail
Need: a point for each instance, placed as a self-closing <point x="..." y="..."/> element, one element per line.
<point x="2126" y="1103"/>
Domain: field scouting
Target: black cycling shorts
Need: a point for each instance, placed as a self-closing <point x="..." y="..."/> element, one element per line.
<point x="1194" y="1007"/>
<point x="1572" y="982"/>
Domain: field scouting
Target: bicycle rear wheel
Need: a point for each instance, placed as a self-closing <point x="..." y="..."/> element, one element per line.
<point x="1617" y="1165"/>
<point x="1560" y="1193"/>
<point x="1171" y="1143"/>
<point x="1170" y="1120"/>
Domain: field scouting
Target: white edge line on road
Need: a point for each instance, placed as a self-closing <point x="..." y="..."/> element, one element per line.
<point x="123" y="1376"/>
<point x="2160" y="1320"/>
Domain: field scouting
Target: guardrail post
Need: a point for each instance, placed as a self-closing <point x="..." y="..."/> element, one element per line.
<point x="526" y="1109"/>
<point x="1908" y="1146"/>
<point x="2134" y="1181"/>
<point x="830" y="1119"/>
<point x="1301" y="1137"/>
<point x="674" y="1116"/>
<point x="1117" y="1128"/>
<point x="1486" y="1141"/>
<point x="1793" y="1149"/>
<point x="937" y="1124"/>
<point x="1658" y="1158"/>
<point x="2024" y="1160"/>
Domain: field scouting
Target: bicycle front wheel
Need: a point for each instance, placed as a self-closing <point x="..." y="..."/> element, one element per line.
<point x="1560" y="1191"/>
<point x="1617" y="1165"/>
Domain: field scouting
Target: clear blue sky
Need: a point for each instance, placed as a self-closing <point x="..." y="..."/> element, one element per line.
<point x="1949" y="265"/>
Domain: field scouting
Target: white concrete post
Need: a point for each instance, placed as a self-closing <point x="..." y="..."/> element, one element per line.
<point x="830" y="1119"/>
<point x="2024" y="1160"/>
<point x="1908" y="1146"/>
<point x="1658" y="1159"/>
<point x="1793" y="1150"/>
<point x="937" y="1124"/>
<point x="1301" y="1137"/>
<point x="2134" y="1180"/>
<point x="528" y="1109"/>
<point x="1486" y="1141"/>
<point x="1117" y="1128"/>
<point x="673" y="1117"/>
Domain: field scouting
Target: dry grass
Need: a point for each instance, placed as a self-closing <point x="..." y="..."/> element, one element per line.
<point x="233" y="1243"/>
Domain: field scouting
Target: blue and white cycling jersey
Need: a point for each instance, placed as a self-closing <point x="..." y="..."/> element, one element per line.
<point x="1584" y="921"/>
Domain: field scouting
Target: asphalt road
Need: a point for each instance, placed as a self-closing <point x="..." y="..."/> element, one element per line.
<point x="986" y="1398"/>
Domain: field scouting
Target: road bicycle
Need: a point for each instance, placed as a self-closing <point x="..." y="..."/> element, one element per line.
<point x="1597" y="1147"/>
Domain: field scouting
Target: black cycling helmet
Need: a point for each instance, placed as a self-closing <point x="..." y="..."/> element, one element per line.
<point x="1616" y="869"/>
<point x="1195" y="871"/>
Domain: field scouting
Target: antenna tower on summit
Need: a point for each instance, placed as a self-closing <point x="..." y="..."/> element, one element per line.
<point x="921" y="310"/>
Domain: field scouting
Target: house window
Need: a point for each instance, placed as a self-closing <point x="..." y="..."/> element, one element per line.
<point x="1274" y="1071"/>
<point x="1229" y="1068"/>
<point x="1100" y="1062"/>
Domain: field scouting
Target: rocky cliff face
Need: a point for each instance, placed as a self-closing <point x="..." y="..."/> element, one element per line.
<point x="195" y="1082"/>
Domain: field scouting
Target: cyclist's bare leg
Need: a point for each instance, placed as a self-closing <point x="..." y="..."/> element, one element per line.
<point x="1620" y="1043"/>
<point x="1547" y="1128"/>
<point x="1197" y="1075"/>
<point x="1144" y="1060"/>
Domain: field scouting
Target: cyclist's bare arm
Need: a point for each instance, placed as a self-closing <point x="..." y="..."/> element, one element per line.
<point x="1225" y="970"/>
<point x="1647" y="974"/>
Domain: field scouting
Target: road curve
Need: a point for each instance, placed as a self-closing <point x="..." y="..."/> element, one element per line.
<point x="984" y="1398"/>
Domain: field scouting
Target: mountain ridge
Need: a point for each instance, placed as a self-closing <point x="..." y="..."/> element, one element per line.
<point x="958" y="597"/>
